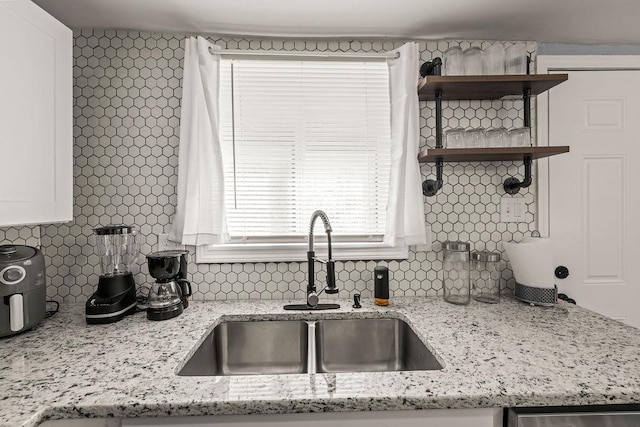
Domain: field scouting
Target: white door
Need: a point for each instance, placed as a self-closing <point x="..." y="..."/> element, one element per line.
<point x="593" y="198"/>
<point x="36" y="119"/>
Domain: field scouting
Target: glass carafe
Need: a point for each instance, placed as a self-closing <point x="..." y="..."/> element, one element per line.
<point x="163" y="295"/>
<point x="118" y="248"/>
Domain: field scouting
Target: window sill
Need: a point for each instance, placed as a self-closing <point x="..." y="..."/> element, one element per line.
<point x="293" y="252"/>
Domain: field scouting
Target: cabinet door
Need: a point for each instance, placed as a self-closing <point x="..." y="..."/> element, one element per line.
<point x="36" y="89"/>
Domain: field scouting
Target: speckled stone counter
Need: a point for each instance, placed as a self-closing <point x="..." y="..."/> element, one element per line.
<point x="509" y="354"/>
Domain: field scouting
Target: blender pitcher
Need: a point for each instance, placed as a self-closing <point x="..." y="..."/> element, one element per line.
<point x="117" y="247"/>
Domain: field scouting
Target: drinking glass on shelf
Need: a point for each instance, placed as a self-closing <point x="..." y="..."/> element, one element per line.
<point x="520" y="137"/>
<point x="516" y="59"/>
<point x="473" y="65"/>
<point x="475" y="138"/>
<point x="453" y="63"/>
<point x="454" y="138"/>
<point x="494" y="59"/>
<point x="498" y="137"/>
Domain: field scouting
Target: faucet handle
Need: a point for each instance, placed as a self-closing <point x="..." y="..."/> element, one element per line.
<point x="312" y="299"/>
<point x="331" y="277"/>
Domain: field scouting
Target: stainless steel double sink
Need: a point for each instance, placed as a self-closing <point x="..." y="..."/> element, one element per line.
<point x="269" y="347"/>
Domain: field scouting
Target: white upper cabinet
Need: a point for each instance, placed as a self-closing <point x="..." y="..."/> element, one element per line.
<point x="36" y="118"/>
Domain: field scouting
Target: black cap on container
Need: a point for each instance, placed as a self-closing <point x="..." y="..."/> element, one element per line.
<point x="113" y="229"/>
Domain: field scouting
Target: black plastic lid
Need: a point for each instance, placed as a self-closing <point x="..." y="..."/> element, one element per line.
<point x="113" y="229"/>
<point x="167" y="254"/>
<point x="14" y="253"/>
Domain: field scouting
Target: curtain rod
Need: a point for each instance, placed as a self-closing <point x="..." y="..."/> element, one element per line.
<point x="302" y="54"/>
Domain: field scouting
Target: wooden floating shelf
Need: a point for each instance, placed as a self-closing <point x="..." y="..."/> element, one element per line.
<point x="488" y="154"/>
<point x="486" y="87"/>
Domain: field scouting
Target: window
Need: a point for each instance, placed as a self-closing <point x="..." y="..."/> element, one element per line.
<point x="301" y="135"/>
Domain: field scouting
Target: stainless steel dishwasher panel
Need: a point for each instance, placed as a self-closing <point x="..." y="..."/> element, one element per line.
<point x="583" y="417"/>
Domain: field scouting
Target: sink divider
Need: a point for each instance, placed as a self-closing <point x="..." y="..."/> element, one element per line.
<point x="311" y="346"/>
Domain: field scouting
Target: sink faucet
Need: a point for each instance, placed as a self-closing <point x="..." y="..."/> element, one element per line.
<point x="312" y="294"/>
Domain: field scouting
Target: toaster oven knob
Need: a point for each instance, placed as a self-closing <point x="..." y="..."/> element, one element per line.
<point x="12" y="275"/>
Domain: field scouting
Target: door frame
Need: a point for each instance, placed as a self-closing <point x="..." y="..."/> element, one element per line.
<point x="544" y="64"/>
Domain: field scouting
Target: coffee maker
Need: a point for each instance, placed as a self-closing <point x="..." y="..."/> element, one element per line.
<point x="168" y="296"/>
<point x="118" y="248"/>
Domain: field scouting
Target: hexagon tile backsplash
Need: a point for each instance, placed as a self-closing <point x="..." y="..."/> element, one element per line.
<point x="24" y="235"/>
<point x="127" y="91"/>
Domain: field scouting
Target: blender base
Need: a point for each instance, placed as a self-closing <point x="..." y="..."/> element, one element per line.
<point x="114" y="299"/>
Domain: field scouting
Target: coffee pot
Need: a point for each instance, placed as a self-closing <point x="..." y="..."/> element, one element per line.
<point x="168" y="296"/>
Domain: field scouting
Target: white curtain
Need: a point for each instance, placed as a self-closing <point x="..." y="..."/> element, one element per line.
<point x="405" y="208"/>
<point x="200" y="217"/>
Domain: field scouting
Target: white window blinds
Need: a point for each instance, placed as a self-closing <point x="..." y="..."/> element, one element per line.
<point x="304" y="135"/>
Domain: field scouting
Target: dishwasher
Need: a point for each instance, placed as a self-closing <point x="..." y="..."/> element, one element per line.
<point x="575" y="416"/>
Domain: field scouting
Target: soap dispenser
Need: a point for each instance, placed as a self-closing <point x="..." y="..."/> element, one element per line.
<point x="381" y="285"/>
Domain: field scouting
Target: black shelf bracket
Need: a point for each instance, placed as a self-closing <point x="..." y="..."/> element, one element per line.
<point x="438" y="118"/>
<point x="526" y="98"/>
<point x="429" y="186"/>
<point x="513" y="185"/>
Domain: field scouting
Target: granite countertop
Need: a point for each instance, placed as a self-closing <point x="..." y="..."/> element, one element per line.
<point x="508" y="354"/>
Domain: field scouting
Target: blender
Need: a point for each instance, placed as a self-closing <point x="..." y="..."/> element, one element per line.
<point x="118" y="248"/>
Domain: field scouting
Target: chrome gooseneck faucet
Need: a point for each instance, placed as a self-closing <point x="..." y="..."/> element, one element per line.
<point x="312" y="294"/>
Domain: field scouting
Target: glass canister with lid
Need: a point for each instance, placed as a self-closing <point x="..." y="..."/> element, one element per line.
<point x="456" y="284"/>
<point x="485" y="276"/>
